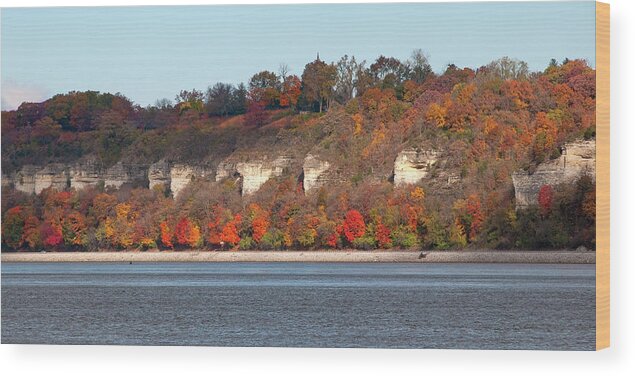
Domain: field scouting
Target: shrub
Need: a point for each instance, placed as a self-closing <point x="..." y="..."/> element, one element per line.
<point x="272" y="239"/>
<point x="246" y="243"/>
<point x="404" y="238"/>
<point x="306" y="238"/>
<point x="365" y="242"/>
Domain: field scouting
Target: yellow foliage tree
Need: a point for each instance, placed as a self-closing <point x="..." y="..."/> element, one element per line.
<point x="437" y="115"/>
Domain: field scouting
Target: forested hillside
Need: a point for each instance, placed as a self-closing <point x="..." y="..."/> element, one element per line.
<point x="356" y="119"/>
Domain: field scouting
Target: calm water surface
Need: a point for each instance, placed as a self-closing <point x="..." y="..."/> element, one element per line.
<point x="474" y="306"/>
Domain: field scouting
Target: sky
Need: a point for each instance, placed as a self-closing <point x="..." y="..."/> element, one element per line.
<point x="149" y="53"/>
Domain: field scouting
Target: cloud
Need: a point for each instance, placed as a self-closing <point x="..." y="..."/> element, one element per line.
<point x="14" y="93"/>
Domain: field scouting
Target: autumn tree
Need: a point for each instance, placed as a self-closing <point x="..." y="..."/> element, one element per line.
<point x="264" y="88"/>
<point x="74" y="229"/>
<point x="291" y="91"/>
<point x="190" y="100"/>
<point x="469" y="217"/>
<point x="51" y="234"/>
<point x="259" y="222"/>
<point x="419" y="67"/>
<point x="354" y="225"/>
<point x="389" y="72"/>
<point x="476" y="215"/>
<point x="545" y="199"/>
<point x="229" y="234"/>
<point x="187" y="233"/>
<point x="119" y="230"/>
<point x="256" y="114"/>
<point x="507" y="68"/>
<point x="182" y="231"/>
<point x="318" y="82"/>
<point x="13" y="227"/>
<point x="382" y="235"/>
<point x="346" y="80"/>
<point x="166" y="235"/>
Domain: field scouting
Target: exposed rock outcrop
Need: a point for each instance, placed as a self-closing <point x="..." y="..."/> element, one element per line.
<point x="226" y="169"/>
<point x="24" y="180"/>
<point x="34" y="179"/>
<point x="181" y="175"/>
<point x="122" y="173"/>
<point x="577" y="159"/>
<point x="412" y="165"/>
<point x="254" y="173"/>
<point x="315" y="172"/>
<point x="174" y="176"/>
<point x="85" y="173"/>
<point x="159" y="174"/>
<point x="54" y="175"/>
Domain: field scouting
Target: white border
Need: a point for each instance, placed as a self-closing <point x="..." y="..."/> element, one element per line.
<point x="619" y="359"/>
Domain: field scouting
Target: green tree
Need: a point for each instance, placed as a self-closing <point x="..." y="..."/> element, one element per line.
<point x="13" y="227"/>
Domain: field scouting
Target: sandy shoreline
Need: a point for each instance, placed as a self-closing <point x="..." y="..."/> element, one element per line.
<point x="531" y="257"/>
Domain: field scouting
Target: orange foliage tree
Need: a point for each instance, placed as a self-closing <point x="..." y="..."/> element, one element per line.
<point x="187" y="233"/>
<point x="166" y="235"/>
<point x="230" y="235"/>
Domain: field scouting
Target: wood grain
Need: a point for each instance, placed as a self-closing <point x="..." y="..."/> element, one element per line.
<point x="602" y="281"/>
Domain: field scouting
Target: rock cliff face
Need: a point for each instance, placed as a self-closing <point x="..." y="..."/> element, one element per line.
<point x="577" y="159"/>
<point x="175" y="176"/>
<point x="181" y="175"/>
<point x="34" y="179"/>
<point x="253" y="172"/>
<point x="412" y="165"/>
<point x="84" y="174"/>
<point x="122" y="173"/>
<point x="159" y="174"/>
<point x="23" y="180"/>
<point x="315" y="172"/>
<point x="53" y="175"/>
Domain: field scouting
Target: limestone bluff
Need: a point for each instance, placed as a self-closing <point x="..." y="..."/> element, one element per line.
<point x="411" y="166"/>
<point x="577" y="159"/>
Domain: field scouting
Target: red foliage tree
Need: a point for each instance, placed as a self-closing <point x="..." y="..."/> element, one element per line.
<point x="354" y="226"/>
<point x="545" y="199"/>
<point x="259" y="227"/>
<point x="473" y="208"/>
<point x="382" y="235"/>
<point x="256" y="114"/>
<point x="182" y="231"/>
<point x="291" y="90"/>
<point x="214" y="231"/>
<point x="187" y="233"/>
<point x="332" y="239"/>
<point x="51" y="235"/>
<point x="259" y="221"/>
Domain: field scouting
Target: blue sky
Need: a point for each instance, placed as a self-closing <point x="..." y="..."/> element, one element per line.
<point x="147" y="53"/>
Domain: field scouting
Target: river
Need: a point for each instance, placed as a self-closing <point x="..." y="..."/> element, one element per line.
<point x="469" y="306"/>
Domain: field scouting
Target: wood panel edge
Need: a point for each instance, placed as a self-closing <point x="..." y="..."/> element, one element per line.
<point x="602" y="281"/>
